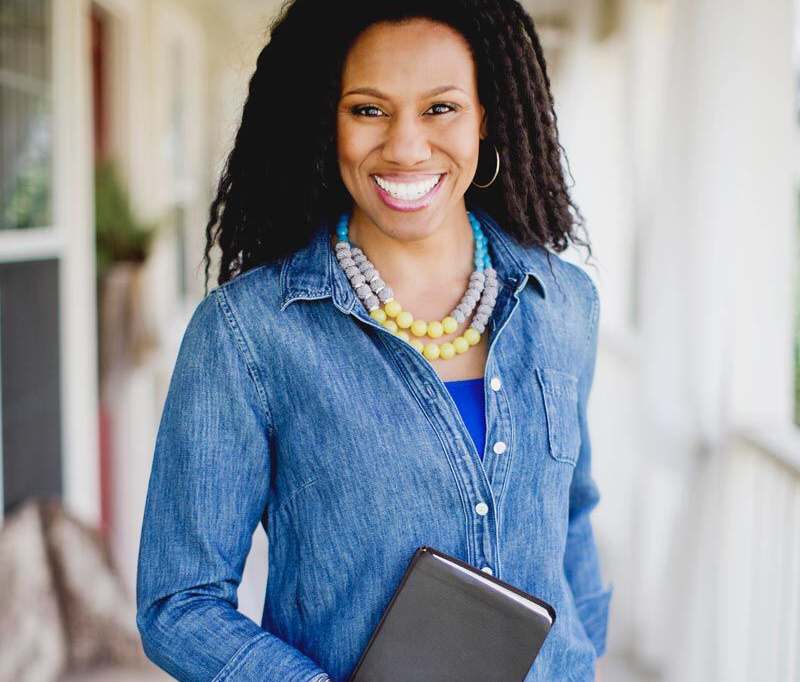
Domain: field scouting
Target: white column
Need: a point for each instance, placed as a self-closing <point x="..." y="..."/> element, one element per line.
<point x="74" y="218"/>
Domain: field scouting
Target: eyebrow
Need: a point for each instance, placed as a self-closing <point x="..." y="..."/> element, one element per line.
<point x="373" y="92"/>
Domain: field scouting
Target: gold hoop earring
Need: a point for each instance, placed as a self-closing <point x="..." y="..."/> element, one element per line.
<point x="496" y="170"/>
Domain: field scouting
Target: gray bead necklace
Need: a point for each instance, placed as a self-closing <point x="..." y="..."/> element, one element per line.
<point x="378" y="298"/>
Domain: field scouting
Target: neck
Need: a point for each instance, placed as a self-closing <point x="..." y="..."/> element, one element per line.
<point x="418" y="265"/>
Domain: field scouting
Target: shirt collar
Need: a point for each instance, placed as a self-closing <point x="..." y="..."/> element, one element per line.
<point x="312" y="271"/>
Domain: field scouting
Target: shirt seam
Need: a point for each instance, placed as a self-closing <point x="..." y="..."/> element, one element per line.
<point x="593" y="313"/>
<point x="243" y="350"/>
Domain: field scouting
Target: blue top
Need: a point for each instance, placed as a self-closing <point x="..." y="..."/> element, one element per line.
<point x="292" y="412"/>
<point x="468" y="394"/>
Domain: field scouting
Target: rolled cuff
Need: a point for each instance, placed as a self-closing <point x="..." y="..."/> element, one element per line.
<point x="267" y="657"/>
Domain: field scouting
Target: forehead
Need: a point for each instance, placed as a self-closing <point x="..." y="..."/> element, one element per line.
<point x="393" y="56"/>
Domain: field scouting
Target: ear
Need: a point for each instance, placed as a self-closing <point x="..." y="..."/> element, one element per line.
<point x="484" y="126"/>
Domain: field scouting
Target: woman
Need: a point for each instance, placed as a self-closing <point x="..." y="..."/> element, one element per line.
<point x="383" y="222"/>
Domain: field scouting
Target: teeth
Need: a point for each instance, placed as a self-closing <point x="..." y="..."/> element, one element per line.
<point x="408" y="190"/>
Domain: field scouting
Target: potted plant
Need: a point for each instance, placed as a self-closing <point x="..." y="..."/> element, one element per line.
<point x="122" y="244"/>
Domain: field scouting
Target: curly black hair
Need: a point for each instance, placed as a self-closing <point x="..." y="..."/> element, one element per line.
<point x="282" y="177"/>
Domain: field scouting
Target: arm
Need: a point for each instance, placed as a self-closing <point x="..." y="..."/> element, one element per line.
<point x="207" y="491"/>
<point x="581" y="560"/>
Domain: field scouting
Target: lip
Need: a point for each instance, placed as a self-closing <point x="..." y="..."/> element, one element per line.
<point x="407" y="177"/>
<point x="404" y="204"/>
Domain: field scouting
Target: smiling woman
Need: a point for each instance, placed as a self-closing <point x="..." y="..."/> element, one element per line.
<point x="284" y="168"/>
<point x="407" y="164"/>
<point x="408" y="146"/>
<point x="416" y="146"/>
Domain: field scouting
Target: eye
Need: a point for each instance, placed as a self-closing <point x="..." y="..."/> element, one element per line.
<point x="357" y="110"/>
<point x="362" y="110"/>
<point x="450" y="107"/>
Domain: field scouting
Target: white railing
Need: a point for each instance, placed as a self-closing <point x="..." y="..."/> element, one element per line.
<point x="736" y="616"/>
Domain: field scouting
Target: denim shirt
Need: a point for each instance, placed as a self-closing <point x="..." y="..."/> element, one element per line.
<point x="290" y="407"/>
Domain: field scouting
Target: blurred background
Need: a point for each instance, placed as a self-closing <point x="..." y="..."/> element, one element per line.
<point x="681" y="122"/>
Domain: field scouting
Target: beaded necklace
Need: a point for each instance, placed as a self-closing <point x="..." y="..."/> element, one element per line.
<point x="378" y="297"/>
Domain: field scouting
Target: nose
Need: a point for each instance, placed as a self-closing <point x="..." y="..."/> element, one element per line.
<point x="407" y="141"/>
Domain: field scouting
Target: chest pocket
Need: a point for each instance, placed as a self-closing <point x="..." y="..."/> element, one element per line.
<point x="560" y="394"/>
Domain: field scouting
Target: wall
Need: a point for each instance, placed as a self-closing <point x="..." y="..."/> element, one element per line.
<point x="679" y="131"/>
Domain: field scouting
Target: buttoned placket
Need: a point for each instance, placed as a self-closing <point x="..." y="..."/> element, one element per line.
<point x="482" y="481"/>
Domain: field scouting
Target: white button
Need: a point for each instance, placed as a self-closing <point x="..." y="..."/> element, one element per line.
<point x="481" y="508"/>
<point x="499" y="447"/>
<point x="495" y="383"/>
<point x="487" y="569"/>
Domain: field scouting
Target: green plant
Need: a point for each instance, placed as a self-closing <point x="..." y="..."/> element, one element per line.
<point x="119" y="235"/>
<point x="797" y="323"/>
<point x="26" y="202"/>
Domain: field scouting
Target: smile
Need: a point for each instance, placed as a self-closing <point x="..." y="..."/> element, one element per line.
<point x="408" y="196"/>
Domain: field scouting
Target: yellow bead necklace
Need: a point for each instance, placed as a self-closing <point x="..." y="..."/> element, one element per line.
<point x="378" y="298"/>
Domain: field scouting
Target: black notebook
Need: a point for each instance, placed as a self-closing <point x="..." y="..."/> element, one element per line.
<point x="449" y="621"/>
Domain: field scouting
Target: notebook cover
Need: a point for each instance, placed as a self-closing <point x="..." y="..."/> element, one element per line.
<point x="449" y="621"/>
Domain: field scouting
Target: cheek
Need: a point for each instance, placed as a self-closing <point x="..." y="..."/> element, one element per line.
<point x="465" y="152"/>
<point x="463" y="144"/>
<point x="468" y="153"/>
<point x="352" y="144"/>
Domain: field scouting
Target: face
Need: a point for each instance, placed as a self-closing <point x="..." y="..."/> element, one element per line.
<point x="408" y="126"/>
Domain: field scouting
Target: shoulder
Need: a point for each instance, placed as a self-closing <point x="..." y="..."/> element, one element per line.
<point x="584" y="288"/>
<point x="580" y="279"/>
<point x="228" y="308"/>
<point x="569" y="286"/>
<point x="572" y="297"/>
<point x="586" y="309"/>
<point x="251" y="294"/>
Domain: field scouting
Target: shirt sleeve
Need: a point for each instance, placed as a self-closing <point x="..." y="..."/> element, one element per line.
<point x="207" y="492"/>
<point x="581" y="560"/>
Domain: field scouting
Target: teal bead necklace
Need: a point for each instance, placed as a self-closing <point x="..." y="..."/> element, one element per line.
<point x="378" y="297"/>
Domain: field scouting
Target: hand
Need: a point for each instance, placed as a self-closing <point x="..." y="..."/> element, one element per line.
<point x="599" y="666"/>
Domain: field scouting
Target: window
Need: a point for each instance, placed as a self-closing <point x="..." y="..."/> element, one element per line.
<point x="176" y="152"/>
<point x="796" y="62"/>
<point x="25" y="114"/>
<point x="181" y="87"/>
<point x="797" y="316"/>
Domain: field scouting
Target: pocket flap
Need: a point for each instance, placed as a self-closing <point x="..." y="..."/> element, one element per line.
<point x="560" y="393"/>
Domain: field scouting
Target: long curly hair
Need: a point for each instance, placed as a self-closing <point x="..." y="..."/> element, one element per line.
<point x="282" y="177"/>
